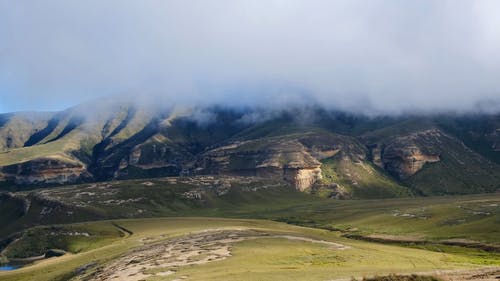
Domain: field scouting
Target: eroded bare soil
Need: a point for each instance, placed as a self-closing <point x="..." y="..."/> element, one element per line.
<point x="164" y="258"/>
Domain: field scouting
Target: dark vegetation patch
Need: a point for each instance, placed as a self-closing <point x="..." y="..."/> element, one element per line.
<point x="477" y="132"/>
<point x="106" y="161"/>
<point x="72" y="124"/>
<point x="43" y="133"/>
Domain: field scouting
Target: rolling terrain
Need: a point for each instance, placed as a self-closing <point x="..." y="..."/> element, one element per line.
<point x="473" y="217"/>
<point x="142" y="193"/>
<point x="404" y="235"/>
<point x="229" y="249"/>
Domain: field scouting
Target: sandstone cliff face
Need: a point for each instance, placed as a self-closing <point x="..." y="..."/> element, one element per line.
<point x="44" y="171"/>
<point x="403" y="156"/>
<point x="376" y="152"/>
<point x="405" y="161"/>
<point x="296" y="159"/>
<point x="272" y="158"/>
<point x="156" y="155"/>
<point x="303" y="178"/>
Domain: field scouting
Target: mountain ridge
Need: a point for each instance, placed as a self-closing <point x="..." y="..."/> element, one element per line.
<point x="301" y="146"/>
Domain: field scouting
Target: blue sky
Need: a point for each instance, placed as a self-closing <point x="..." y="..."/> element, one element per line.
<point x="382" y="56"/>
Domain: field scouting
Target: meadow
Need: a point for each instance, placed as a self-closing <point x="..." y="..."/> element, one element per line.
<point x="252" y="231"/>
<point x="272" y="257"/>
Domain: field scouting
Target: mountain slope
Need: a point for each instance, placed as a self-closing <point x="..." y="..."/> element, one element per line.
<point x="17" y="128"/>
<point x="327" y="153"/>
<point x="432" y="162"/>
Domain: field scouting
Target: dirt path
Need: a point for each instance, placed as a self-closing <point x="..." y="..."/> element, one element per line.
<point x="305" y="239"/>
<point x="164" y="258"/>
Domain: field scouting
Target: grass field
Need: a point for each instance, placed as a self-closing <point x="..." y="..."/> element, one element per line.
<point x="473" y="217"/>
<point x="269" y="258"/>
<point x="253" y="230"/>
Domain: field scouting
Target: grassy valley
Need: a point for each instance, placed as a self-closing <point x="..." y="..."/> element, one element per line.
<point x="451" y="232"/>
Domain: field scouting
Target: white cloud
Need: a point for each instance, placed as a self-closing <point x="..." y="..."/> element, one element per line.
<point x="371" y="56"/>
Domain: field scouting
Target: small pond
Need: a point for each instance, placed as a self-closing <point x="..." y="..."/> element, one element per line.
<point x="8" y="267"/>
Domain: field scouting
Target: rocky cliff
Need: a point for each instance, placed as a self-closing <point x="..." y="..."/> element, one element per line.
<point x="274" y="157"/>
<point x="403" y="156"/>
<point x="157" y="156"/>
<point x="44" y="171"/>
<point x="294" y="158"/>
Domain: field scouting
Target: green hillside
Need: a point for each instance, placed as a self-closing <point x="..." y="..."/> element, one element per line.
<point x="379" y="156"/>
<point x="357" y="180"/>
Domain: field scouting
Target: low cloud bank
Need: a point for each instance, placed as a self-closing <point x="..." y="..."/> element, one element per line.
<point x="371" y="57"/>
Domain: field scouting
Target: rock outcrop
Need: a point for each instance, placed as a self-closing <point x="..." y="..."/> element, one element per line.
<point x="403" y="156"/>
<point x="270" y="158"/>
<point x="405" y="161"/>
<point x="302" y="178"/>
<point x="296" y="159"/>
<point x="155" y="153"/>
<point x="44" y="171"/>
<point x="156" y="156"/>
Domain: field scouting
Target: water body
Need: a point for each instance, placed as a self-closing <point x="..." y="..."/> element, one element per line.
<point x="8" y="267"/>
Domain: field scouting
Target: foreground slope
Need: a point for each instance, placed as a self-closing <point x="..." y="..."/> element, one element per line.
<point x="215" y="249"/>
<point x="338" y="238"/>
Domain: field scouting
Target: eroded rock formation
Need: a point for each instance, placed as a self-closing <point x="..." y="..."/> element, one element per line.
<point x="405" y="161"/>
<point x="303" y="178"/>
<point x="44" y="171"/>
<point x="296" y="159"/>
<point x="403" y="156"/>
<point x="287" y="159"/>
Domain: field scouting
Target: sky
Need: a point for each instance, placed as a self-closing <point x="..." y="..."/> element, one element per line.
<point x="376" y="57"/>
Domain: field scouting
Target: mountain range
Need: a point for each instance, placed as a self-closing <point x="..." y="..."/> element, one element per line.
<point x="324" y="152"/>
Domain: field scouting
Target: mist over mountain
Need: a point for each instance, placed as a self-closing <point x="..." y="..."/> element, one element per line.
<point x="376" y="57"/>
<point x="314" y="149"/>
